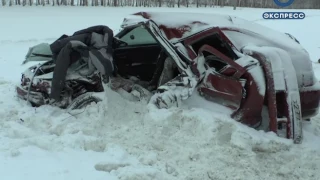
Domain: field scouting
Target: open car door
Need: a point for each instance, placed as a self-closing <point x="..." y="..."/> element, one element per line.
<point x="229" y="80"/>
<point x="222" y="82"/>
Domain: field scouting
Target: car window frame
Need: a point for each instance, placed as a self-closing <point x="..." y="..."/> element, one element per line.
<point x="126" y="31"/>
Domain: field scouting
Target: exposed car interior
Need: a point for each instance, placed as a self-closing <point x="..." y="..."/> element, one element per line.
<point x="139" y="54"/>
<point x="215" y="41"/>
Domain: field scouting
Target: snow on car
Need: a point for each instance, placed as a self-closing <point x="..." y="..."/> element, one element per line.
<point x="166" y="57"/>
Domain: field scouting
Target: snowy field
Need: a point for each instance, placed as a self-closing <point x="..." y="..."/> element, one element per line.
<point x="118" y="139"/>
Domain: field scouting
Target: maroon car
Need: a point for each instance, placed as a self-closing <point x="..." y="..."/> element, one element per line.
<point x="239" y="64"/>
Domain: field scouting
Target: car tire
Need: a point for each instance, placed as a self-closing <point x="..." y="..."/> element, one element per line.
<point x="83" y="101"/>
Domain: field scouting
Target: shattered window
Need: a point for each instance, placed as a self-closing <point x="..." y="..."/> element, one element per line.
<point x="138" y="36"/>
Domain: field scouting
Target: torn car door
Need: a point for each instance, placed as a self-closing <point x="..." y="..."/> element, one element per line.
<point x="182" y="86"/>
<point x="237" y="83"/>
<point x="222" y="84"/>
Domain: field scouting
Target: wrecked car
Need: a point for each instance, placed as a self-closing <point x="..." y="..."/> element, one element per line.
<point x="228" y="60"/>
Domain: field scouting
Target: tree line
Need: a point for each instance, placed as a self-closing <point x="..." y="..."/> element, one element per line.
<point x="298" y="4"/>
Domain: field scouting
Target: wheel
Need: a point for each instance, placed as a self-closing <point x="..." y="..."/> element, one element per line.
<point x="83" y="101"/>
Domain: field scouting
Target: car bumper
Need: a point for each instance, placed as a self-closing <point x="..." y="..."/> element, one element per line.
<point x="35" y="98"/>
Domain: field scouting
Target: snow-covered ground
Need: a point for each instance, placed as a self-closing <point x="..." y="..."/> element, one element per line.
<point x="119" y="139"/>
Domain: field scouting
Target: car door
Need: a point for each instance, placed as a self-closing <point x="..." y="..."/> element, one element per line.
<point x="235" y="82"/>
<point x="138" y="54"/>
<point x="222" y="82"/>
<point x="169" y="48"/>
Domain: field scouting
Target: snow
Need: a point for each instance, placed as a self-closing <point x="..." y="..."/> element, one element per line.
<point x="299" y="57"/>
<point x="121" y="139"/>
<point x="257" y="72"/>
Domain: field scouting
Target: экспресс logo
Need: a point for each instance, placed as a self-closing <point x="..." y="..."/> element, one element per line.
<point x="283" y="15"/>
